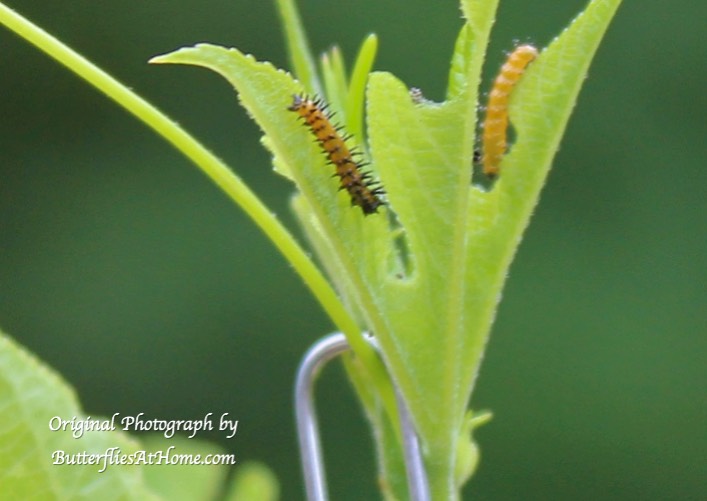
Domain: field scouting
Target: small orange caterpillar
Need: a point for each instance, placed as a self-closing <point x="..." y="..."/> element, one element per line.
<point x="364" y="191"/>
<point x="496" y="121"/>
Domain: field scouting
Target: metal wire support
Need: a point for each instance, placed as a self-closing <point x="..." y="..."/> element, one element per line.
<point x="308" y="428"/>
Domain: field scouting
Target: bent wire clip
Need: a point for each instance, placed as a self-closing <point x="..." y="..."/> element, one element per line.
<point x="308" y="430"/>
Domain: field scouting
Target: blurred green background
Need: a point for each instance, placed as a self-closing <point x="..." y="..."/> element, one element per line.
<point x="127" y="271"/>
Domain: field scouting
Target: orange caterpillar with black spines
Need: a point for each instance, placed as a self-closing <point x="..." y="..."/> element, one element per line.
<point x="495" y="127"/>
<point x="363" y="190"/>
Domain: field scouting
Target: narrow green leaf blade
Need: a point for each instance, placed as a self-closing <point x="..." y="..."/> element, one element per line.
<point x="336" y="83"/>
<point x="357" y="86"/>
<point x="298" y="46"/>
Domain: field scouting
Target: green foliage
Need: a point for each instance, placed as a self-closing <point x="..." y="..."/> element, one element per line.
<point x="253" y="482"/>
<point x="184" y="481"/>
<point x="427" y="279"/>
<point x="30" y="396"/>
<point x="425" y="275"/>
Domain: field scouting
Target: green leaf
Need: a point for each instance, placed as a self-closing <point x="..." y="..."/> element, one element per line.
<point x="423" y="153"/>
<point x="266" y="93"/>
<point x="184" y="482"/>
<point x="253" y="482"/>
<point x="298" y="46"/>
<point x="335" y="81"/>
<point x="32" y="395"/>
<point x="468" y="453"/>
<point x="357" y="86"/>
<point x="470" y="49"/>
<point x="416" y="149"/>
<point x="539" y="110"/>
